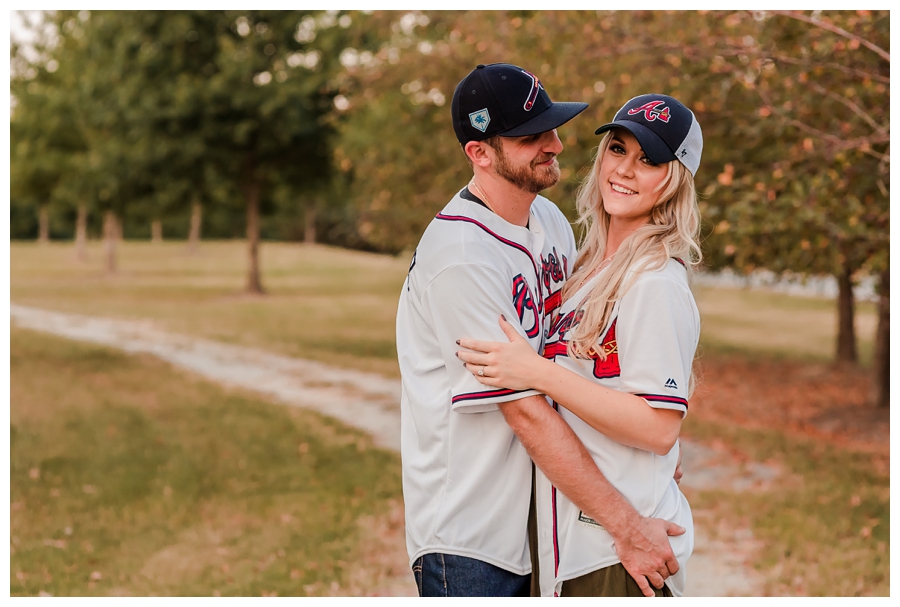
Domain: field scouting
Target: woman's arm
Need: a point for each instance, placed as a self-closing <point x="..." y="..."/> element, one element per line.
<point x="623" y="417"/>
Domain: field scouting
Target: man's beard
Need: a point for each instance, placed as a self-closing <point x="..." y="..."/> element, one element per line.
<point x="530" y="178"/>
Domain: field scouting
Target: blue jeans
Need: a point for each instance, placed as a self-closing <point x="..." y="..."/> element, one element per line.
<point x="440" y="574"/>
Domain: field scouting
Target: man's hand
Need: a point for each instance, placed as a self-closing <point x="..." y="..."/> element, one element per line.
<point x="646" y="553"/>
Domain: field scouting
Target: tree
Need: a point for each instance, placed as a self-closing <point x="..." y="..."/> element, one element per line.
<point x="45" y="147"/>
<point x="820" y="82"/>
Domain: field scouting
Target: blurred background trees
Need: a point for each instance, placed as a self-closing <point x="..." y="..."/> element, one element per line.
<point x="333" y="126"/>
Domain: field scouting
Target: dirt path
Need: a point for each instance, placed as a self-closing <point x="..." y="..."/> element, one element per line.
<point x="371" y="402"/>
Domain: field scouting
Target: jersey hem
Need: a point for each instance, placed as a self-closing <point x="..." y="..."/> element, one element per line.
<point x="472" y="555"/>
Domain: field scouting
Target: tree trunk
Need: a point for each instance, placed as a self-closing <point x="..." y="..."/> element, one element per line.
<point x="252" y="191"/>
<point x="43" y="225"/>
<point x="881" y="387"/>
<point x="81" y="234"/>
<point x="309" y="225"/>
<point x="194" y="235"/>
<point x="110" y="237"/>
<point x="156" y="231"/>
<point x="846" y="338"/>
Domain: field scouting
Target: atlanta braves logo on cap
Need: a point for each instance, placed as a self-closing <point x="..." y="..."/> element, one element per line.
<point x="505" y="100"/>
<point x="651" y="112"/>
<point x="535" y="87"/>
<point x="480" y="119"/>
<point x="666" y="129"/>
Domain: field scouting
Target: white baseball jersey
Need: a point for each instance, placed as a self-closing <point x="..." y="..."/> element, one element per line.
<point x="650" y="344"/>
<point x="466" y="477"/>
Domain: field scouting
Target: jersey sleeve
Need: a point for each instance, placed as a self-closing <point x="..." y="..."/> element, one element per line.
<point x="658" y="328"/>
<point x="466" y="301"/>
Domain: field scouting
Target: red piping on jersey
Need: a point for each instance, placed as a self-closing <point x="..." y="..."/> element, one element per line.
<point x="664" y="398"/>
<point x="506" y="241"/>
<point x="555" y="522"/>
<point x="484" y="394"/>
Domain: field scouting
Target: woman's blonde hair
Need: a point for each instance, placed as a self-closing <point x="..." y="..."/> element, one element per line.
<point x="672" y="231"/>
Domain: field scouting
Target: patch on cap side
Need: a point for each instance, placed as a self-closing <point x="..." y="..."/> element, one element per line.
<point x="480" y="119"/>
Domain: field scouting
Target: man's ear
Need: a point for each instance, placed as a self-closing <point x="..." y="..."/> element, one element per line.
<point x="478" y="154"/>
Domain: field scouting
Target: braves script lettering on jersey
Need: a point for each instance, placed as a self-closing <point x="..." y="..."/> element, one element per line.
<point x="649" y="345"/>
<point x="466" y="477"/>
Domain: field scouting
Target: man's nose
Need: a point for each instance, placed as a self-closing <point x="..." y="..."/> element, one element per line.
<point x="552" y="143"/>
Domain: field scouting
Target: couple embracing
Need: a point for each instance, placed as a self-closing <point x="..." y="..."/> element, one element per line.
<point x="543" y="387"/>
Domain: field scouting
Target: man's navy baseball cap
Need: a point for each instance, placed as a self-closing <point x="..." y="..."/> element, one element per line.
<point x="664" y="127"/>
<point x="503" y="99"/>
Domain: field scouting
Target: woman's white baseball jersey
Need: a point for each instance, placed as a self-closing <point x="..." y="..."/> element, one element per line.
<point x="466" y="477"/>
<point x="650" y="344"/>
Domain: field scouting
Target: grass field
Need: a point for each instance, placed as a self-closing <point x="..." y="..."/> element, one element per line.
<point x="324" y="303"/>
<point x="773" y="324"/>
<point x="338" y="306"/>
<point x="130" y="477"/>
<point x="823" y="524"/>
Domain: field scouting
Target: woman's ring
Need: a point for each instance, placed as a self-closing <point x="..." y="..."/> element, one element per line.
<point x="481" y="371"/>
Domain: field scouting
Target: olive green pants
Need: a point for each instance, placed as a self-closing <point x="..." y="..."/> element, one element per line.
<point x="609" y="581"/>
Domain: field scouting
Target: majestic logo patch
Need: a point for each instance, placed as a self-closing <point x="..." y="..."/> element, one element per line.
<point x="480" y="119"/>
<point x="651" y="111"/>
<point x="535" y="87"/>
<point x="670" y="383"/>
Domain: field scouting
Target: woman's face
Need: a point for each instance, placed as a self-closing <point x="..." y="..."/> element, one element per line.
<point x="629" y="181"/>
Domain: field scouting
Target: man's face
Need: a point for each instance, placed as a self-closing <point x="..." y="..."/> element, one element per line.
<point x="529" y="163"/>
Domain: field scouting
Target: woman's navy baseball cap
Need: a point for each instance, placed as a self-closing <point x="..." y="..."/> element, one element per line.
<point x="503" y="99"/>
<point x="664" y="127"/>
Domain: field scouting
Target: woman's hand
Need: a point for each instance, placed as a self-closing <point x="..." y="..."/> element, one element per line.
<point x="514" y="365"/>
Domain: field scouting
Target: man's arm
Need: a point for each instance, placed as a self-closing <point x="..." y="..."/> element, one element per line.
<point x="641" y="543"/>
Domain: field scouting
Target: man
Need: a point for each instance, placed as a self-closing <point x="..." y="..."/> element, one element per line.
<point x="496" y="248"/>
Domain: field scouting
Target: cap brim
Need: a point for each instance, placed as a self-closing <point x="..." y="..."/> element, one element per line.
<point x="555" y="116"/>
<point x="654" y="147"/>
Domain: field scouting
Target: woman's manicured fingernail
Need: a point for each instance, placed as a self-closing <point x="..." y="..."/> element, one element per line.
<point x="457" y="342"/>
<point x="503" y="317"/>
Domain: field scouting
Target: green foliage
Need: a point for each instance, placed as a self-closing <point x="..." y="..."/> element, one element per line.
<point x="794" y="115"/>
<point x="348" y="113"/>
<point x="807" y="187"/>
<point x="167" y="108"/>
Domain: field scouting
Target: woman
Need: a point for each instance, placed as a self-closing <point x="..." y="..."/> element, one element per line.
<point x="618" y="356"/>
